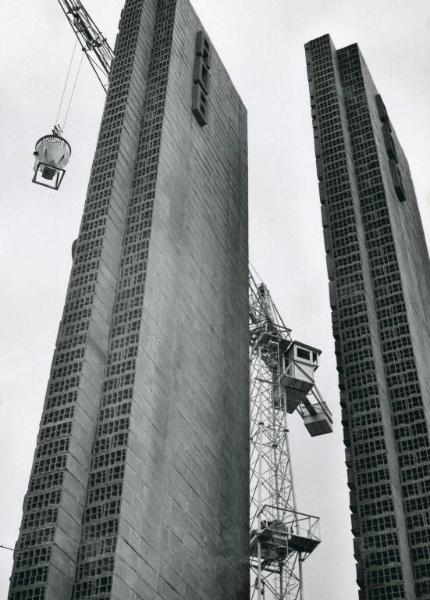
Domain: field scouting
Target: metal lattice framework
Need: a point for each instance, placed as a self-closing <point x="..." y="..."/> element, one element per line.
<point x="92" y="41"/>
<point x="281" y="537"/>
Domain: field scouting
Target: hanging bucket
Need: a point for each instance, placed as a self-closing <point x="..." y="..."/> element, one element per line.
<point x="52" y="154"/>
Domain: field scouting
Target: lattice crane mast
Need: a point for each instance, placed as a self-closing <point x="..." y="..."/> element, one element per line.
<point x="282" y="382"/>
<point x="92" y="41"/>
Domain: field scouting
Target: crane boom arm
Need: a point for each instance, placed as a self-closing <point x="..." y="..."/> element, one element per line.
<point x="269" y="333"/>
<point x="92" y="41"/>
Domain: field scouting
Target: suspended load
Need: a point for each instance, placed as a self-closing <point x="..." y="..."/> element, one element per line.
<point x="317" y="419"/>
<point x="52" y="153"/>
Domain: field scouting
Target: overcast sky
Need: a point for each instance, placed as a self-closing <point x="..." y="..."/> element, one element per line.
<point x="261" y="44"/>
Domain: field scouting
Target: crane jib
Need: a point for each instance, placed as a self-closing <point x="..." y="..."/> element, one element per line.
<point x="91" y="39"/>
<point x="52" y="152"/>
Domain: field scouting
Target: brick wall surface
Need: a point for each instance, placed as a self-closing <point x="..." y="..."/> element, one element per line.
<point x="379" y="293"/>
<point x="139" y="488"/>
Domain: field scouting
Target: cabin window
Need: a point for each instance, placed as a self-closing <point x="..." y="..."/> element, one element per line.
<point x="305" y="354"/>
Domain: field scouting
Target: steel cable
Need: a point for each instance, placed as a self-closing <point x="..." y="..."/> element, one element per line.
<point x="65" y="84"/>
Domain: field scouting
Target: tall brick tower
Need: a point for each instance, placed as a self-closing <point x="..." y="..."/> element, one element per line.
<point x="379" y="273"/>
<point x="139" y="486"/>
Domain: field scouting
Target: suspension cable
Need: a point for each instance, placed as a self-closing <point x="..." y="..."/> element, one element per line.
<point x="73" y="90"/>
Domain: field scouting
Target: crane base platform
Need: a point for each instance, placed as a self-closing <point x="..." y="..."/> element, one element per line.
<point x="276" y="542"/>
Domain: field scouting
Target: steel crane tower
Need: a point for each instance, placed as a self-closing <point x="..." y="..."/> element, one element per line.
<point x="281" y="382"/>
<point x="91" y="39"/>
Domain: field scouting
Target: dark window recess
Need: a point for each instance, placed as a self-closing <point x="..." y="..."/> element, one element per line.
<point x="397" y="181"/>
<point x="74" y="248"/>
<point x="389" y="142"/>
<point x="322" y="191"/>
<point x="203" y="48"/>
<point x="332" y="294"/>
<point x="201" y="74"/>
<point x="200" y="107"/>
<point x="301" y="353"/>
<point x="360" y="576"/>
<point x="347" y="443"/>
<point x="330" y="267"/>
<point x="328" y="240"/>
<point x="382" y="111"/>
<point x="324" y="216"/>
<point x="320" y="168"/>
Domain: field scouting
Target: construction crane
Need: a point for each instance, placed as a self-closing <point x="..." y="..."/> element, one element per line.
<point x="92" y="41"/>
<point x="282" y="382"/>
<point x="52" y="151"/>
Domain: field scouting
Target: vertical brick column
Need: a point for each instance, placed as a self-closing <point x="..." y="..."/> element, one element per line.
<point x="47" y="549"/>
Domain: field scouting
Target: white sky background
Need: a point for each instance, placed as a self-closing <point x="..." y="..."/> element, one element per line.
<point x="261" y="44"/>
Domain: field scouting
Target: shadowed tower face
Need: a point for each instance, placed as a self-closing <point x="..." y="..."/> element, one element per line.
<point x="139" y="487"/>
<point x="379" y="274"/>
